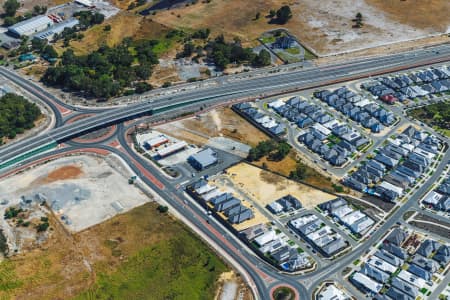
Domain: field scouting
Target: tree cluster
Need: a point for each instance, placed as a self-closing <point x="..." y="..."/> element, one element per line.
<point x="44" y="225"/>
<point x="435" y="115"/>
<point x="281" y="16"/>
<point x="300" y="172"/>
<point x="11" y="6"/>
<point x="275" y="151"/>
<point x="42" y="46"/>
<point x="12" y="212"/>
<point x="88" y="18"/>
<point x="223" y="53"/>
<point x="202" y="34"/>
<point x="135" y="4"/>
<point x="16" y="115"/>
<point x="106" y="72"/>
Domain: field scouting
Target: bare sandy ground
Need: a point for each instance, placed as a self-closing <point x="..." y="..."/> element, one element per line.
<point x="325" y="26"/>
<point x="265" y="187"/>
<point x="86" y="190"/>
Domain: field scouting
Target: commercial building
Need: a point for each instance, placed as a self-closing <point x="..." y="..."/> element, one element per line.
<point x="156" y="141"/>
<point x="30" y="26"/>
<point x="85" y="3"/>
<point x="171" y="149"/>
<point x="203" y="159"/>
<point x="57" y="29"/>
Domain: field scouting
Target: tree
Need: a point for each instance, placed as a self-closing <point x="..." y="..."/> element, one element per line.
<point x="220" y="60"/>
<point x="39" y="10"/>
<point x="262" y="59"/>
<point x="50" y="52"/>
<point x="9" y="21"/>
<point x="284" y="14"/>
<point x="142" y="87"/>
<point x="283" y="149"/>
<point x="300" y="172"/>
<point x="163" y="209"/>
<point x="38" y="44"/>
<point x="272" y="13"/>
<point x="201" y="34"/>
<point x="42" y="226"/>
<point x="10" y="7"/>
<point x="107" y="28"/>
<point x="358" y="20"/>
<point x="16" y="115"/>
<point x="188" y="49"/>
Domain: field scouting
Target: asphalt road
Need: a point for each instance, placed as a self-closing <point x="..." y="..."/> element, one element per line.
<point x="263" y="275"/>
<point x="255" y="87"/>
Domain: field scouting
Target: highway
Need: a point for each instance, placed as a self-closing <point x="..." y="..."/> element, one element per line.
<point x="254" y="87"/>
<point x="263" y="276"/>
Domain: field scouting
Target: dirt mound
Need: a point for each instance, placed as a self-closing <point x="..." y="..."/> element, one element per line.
<point x="64" y="173"/>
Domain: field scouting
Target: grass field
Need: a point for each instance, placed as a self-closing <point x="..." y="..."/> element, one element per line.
<point x="125" y="24"/>
<point x="141" y="254"/>
<point x="435" y="115"/>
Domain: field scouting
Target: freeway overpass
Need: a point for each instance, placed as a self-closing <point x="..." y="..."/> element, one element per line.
<point x="254" y="87"/>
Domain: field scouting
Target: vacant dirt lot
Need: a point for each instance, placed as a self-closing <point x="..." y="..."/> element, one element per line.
<point x="81" y="190"/>
<point x="266" y="187"/>
<point x="325" y="26"/>
<point x="219" y="122"/>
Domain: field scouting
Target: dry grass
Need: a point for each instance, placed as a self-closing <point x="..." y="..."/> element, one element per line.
<point x="325" y="26"/>
<point x="416" y="13"/>
<point x="124" y="24"/>
<point x="289" y="164"/>
<point x="160" y="75"/>
<point x="283" y="167"/>
<point x="265" y="187"/>
<point x="36" y="70"/>
<point x="70" y="264"/>
<point x="219" y="122"/>
<point x="216" y="16"/>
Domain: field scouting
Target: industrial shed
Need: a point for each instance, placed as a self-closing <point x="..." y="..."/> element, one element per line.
<point x="30" y="26"/>
<point x="50" y="33"/>
<point x="203" y="159"/>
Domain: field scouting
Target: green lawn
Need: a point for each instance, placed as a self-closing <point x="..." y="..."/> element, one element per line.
<point x="141" y="254"/>
<point x="179" y="268"/>
<point x="293" y="51"/>
<point x="309" y="55"/>
<point x="268" y="39"/>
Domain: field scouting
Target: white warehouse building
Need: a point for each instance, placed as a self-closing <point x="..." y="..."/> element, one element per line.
<point x="30" y="26"/>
